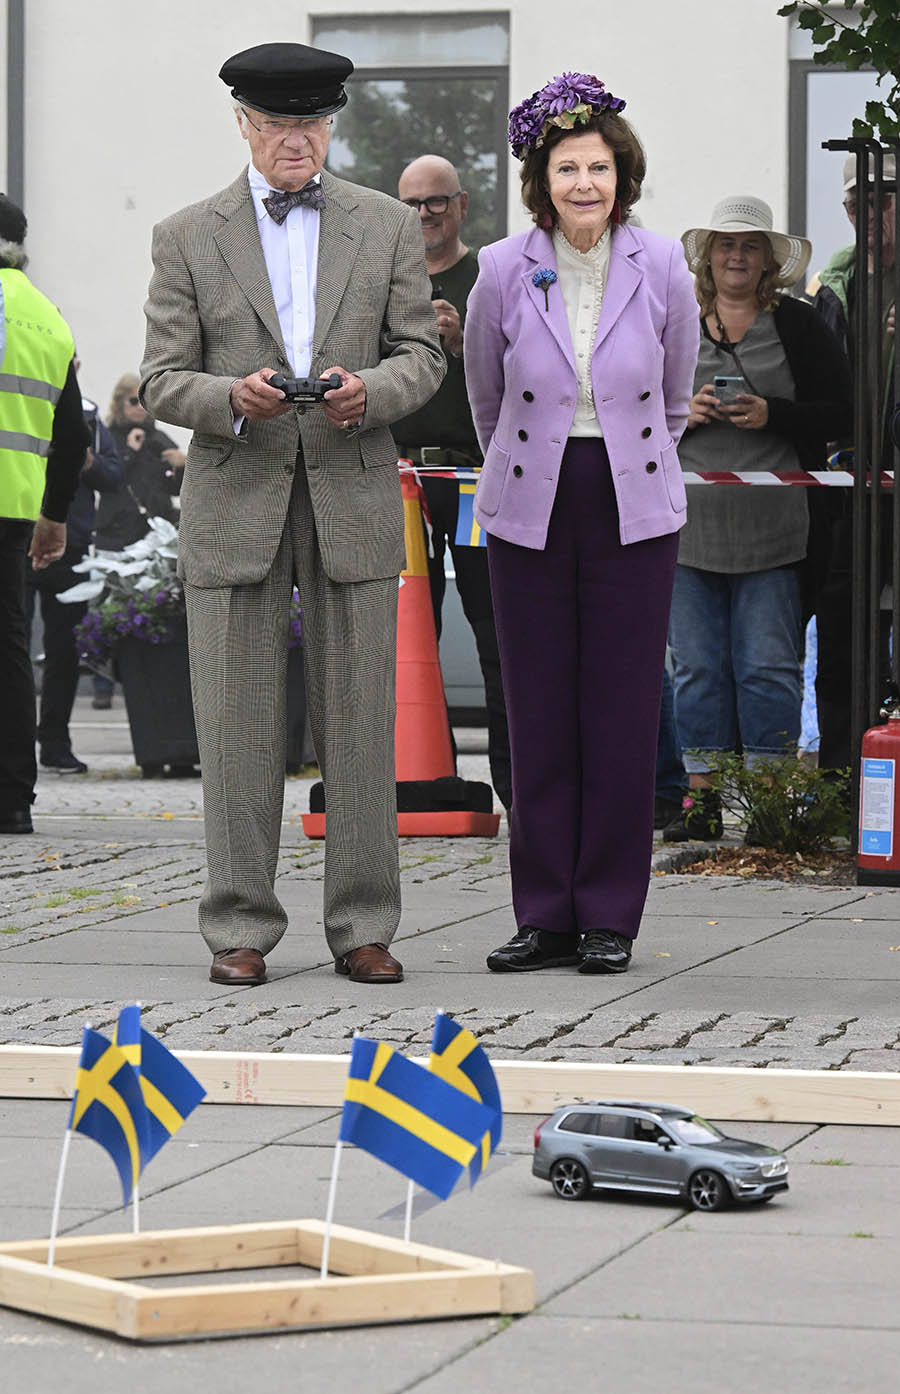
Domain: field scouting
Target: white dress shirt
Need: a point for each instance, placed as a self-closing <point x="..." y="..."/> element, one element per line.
<point x="291" y="250"/>
<point x="582" y="280"/>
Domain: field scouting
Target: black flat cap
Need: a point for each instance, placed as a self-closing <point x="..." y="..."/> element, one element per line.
<point x="13" y="223"/>
<point x="288" y="79"/>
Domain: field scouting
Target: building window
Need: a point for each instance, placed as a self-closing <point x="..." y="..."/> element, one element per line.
<point x="425" y="84"/>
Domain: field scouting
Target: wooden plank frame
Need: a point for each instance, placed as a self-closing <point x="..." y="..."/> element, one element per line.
<point x="380" y="1280"/>
<point x="526" y="1086"/>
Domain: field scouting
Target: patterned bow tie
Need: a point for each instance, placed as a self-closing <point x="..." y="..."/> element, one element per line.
<point x="279" y="204"/>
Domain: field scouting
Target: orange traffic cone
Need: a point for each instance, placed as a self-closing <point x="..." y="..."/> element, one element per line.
<point x="424" y="752"/>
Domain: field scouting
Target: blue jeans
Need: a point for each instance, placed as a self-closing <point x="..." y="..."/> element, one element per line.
<point x="736" y="647"/>
<point x="670" y="780"/>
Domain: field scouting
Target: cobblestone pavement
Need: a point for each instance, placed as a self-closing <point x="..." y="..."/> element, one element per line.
<point x="99" y="907"/>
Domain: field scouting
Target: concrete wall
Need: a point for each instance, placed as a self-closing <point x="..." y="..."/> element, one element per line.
<point x="126" y="121"/>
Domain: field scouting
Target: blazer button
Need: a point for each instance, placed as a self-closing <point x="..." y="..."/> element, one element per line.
<point x="527" y="396"/>
<point x="647" y="431"/>
<point x="517" y="471"/>
<point x="643" y="397"/>
<point x="523" y="435"/>
<point x="651" y="467"/>
<point x="289" y="469"/>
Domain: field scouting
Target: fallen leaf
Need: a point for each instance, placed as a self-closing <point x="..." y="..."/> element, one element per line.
<point x="662" y="955"/>
<point x="712" y="921"/>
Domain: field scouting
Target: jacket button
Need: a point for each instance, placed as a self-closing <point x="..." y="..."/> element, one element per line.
<point x="527" y="396"/>
<point x="523" y="435"/>
<point x="647" y="431"/>
<point x="651" y="467"/>
<point x="289" y="469"/>
<point x="517" y="471"/>
<point x="643" y="397"/>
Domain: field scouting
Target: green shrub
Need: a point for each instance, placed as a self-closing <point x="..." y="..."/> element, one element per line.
<point x="786" y="804"/>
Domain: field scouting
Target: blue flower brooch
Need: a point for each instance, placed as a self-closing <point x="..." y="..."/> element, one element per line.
<point x="544" y="280"/>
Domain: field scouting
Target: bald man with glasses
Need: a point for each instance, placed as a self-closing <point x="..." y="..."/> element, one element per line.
<point x="442" y="434"/>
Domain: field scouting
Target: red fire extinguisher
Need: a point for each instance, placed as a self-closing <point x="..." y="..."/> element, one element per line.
<point x="878" y="859"/>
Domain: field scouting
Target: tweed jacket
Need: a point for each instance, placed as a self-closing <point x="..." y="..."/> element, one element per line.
<point x="522" y="382"/>
<point x="211" y="319"/>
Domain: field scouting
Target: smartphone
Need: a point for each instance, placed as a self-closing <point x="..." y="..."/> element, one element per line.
<point x="729" y="389"/>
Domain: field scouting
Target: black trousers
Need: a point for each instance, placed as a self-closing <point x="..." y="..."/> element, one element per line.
<point x="474" y="586"/>
<point x="18" y="768"/>
<point x="60" y="680"/>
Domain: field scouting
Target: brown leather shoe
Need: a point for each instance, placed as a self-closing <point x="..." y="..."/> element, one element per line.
<point x="238" y="968"/>
<point x="371" y="963"/>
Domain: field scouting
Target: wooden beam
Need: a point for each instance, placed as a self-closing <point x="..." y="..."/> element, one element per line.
<point x="372" y="1278"/>
<point x="526" y="1086"/>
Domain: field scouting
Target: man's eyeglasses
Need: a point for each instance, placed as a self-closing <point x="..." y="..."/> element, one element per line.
<point x="887" y="199"/>
<point x="437" y="203"/>
<point x="280" y="126"/>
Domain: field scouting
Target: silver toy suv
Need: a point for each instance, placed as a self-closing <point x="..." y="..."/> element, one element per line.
<point x="652" y="1147"/>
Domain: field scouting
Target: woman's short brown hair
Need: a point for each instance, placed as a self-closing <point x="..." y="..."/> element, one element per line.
<point x="767" y="292"/>
<point x="631" y="165"/>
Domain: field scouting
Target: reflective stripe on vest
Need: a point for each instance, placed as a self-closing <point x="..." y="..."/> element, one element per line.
<point x="37" y="350"/>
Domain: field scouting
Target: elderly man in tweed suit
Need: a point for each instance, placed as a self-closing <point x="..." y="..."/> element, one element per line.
<point x="291" y="270"/>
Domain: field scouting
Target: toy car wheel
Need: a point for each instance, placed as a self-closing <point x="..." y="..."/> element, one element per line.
<point x="707" y="1190"/>
<point x="569" y="1179"/>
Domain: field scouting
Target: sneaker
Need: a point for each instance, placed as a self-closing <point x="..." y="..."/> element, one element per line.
<point x="700" y="818"/>
<point x="67" y="763"/>
<point x="102" y="701"/>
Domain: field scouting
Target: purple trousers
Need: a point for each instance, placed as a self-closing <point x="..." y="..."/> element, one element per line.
<point x="582" y="633"/>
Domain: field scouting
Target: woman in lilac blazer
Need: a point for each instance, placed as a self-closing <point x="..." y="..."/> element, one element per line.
<point x="580" y="348"/>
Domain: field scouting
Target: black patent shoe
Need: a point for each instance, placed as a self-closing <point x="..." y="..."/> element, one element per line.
<point x="604" y="951"/>
<point x="534" y="948"/>
<point x="700" y="818"/>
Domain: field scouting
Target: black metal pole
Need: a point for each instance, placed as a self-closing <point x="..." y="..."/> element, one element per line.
<point x="15" y="100"/>
<point x="871" y="352"/>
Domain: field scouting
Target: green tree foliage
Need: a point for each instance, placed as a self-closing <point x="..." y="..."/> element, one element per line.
<point x="389" y="122"/>
<point x="873" y="40"/>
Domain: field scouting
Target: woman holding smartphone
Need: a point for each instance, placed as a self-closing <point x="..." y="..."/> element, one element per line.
<point x="772" y="386"/>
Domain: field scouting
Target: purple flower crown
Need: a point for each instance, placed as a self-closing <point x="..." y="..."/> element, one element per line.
<point x="570" y="99"/>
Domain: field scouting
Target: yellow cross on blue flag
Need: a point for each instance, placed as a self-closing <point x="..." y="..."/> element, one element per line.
<point x="468" y="533"/>
<point x="108" y="1106"/>
<point x="458" y="1058"/>
<point x="170" y="1091"/>
<point x="409" y="1117"/>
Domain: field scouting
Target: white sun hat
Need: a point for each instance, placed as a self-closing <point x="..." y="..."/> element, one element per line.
<point x="744" y="213"/>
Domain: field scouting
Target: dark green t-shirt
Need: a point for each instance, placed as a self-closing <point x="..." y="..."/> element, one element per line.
<point x="446" y="420"/>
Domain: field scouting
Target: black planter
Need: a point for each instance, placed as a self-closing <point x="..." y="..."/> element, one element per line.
<point x="156" y="681"/>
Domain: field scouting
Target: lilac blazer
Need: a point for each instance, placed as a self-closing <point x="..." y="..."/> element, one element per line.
<point x="522" y="384"/>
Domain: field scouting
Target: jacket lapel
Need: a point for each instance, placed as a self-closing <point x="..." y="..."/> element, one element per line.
<point x="238" y="241"/>
<point x="625" y="275"/>
<point x="539" y="251"/>
<point x="339" y="243"/>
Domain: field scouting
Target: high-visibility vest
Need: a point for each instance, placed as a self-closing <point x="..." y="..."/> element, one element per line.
<point x="36" y="348"/>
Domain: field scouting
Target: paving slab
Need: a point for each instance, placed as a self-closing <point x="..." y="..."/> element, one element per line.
<point x="644" y="1356"/>
<point x="771" y="1279"/>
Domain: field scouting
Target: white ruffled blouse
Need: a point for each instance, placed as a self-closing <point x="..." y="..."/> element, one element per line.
<point x="582" y="280"/>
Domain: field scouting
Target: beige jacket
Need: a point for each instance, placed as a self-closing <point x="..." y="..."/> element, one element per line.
<point x="211" y="318"/>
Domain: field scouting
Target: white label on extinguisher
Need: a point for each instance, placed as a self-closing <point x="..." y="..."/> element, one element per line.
<point x="876" y="811"/>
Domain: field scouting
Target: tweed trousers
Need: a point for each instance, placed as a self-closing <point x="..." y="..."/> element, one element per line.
<point x="238" y="646"/>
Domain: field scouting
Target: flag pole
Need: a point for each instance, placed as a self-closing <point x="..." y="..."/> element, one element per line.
<point x="136" y="1210"/>
<point x="51" y="1250"/>
<point x="329" y="1212"/>
<point x="60" y="1175"/>
<point x="407" y="1221"/>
